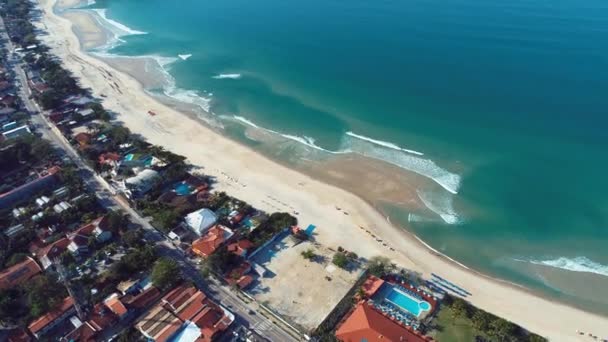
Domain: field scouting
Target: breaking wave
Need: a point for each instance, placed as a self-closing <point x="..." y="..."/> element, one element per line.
<point x="397" y="156"/>
<point x="185" y="57"/>
<point x="576" y="264"/>
<point x="308" y="141"/>
<point x="440" y="204"/>
<point x="383" y="143"/>
<point x="118" y="28"/>
<point x="227" y="76"/>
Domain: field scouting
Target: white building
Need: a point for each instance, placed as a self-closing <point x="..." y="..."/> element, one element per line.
<point x="201" y="220"/>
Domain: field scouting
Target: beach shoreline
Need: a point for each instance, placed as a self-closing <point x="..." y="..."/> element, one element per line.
<point x="315" y="200"/>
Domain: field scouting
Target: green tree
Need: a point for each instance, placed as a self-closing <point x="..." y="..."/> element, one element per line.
<point x="166" y="273"/>
<point x="308" y="254"/>
<point x="133" y="238"/>
<point x="43" y="293"/>
<point x="481" y="320"/>
<point x="340" y="259"/>
<point x="503" y="329"/>
<point x="11" y="306"/>
<point x="15" y="259"/>
<point x="380" y="266"/>
<point x="459" y="308"/>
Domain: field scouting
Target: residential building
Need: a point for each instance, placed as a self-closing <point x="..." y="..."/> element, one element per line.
<point x="49" y="254"/>
<point x="141" y="182"/>
<point x="211" y="241"/>
<point x="23" y="192"/>
<point x="241" y="247"/>
<point x="365" y="323"/>
<point x="54" y="317"/>
<point x="185" y="314"/>
<point x="17" y="132"/>
<point x="201" y="220"/>
<point x="83" y="138"/>
<point x="114" y="303"/>
<point x="19" y="273"/>
<point x="240" y="276"/>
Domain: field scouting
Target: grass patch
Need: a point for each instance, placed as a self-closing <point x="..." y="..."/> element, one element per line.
<point x="450" y="329"/>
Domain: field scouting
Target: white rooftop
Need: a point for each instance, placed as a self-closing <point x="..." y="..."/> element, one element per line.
<point x="201" y="220"/>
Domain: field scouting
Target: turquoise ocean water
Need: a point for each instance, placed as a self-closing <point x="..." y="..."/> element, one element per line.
<point x="502" y="105"/>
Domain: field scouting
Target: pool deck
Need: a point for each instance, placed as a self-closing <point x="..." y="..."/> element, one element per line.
<point x="381" y="290"/>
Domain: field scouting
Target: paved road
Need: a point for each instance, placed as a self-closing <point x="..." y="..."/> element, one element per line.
<point x="246" y="313"/>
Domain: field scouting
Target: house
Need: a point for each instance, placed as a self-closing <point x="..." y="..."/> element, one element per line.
<point x="201" y="220"/>
<point x="22" y="193"/>
<point x="143" y="299"/>
<point x="365" y="323"/>
<point x="100" y="319"/>
<point x="211" y="241"/>
<point x="14" y="231"/>
<point x="49" y="254"/>
<point x="241" y="247"/>
<point x="8" y="100"/>
<point x="18" y="335"/>
<point x="141" y="183"/>
<point x="83" y="139"/>
<point x="19" y="273"/>
<point x="80" y="238"/>
<point x="17" y="132"/>
<point x="115" y="305"/>
<point x="109" y="158"/>
<point x="239" y="276"/>
<point x="185" y="314"/>
<point x="51" y="319"/>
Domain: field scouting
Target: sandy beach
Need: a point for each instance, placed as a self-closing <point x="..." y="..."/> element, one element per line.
<point x="270" y="186"/>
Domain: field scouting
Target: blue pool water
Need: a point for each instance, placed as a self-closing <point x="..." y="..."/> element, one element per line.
<point x="182" y="189"/>
<point x="407" y="303"/>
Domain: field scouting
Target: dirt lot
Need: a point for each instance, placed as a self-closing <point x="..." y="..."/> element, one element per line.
<point x="297" y="288"/>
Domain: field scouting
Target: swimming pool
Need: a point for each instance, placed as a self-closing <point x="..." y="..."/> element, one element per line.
<point x="407" y="302"/>
<point x="182" y="189"/>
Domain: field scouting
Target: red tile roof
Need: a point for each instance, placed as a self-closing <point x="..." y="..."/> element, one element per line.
<point x="102" y="318"/>
<point x="84" y="333"/>
<point x="83" y="138"/>
<point x="19" y="335"/>
<point x="211" y="241"/>
<point x="240" y="247"/>
<point x="55" y="249"/>
<point x="41" y="323"/>
<point x="371" y="285"/>
<point x="367" y="324"/>
<point x="108" y="156"/>
<point x="18" y="273"/>
<point x="143" y="299"/>
<point x="115" y="305"/>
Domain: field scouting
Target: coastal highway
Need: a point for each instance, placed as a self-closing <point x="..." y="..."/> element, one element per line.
<point x="246" y="313"/>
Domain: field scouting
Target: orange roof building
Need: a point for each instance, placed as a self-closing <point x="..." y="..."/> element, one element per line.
<point x="371" y="285"/>
<point x="366" y="324"/>
<point x="211" y="241"/>
<point x="181" y="307"/>
<point x="19" y="273"/>
<point x="240" y="247"/>
<point x="83" y="138"/>
<point x="51" y="319"/>
<point x="115" y="305"/>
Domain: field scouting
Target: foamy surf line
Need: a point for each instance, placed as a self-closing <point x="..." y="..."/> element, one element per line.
<point x="392" y="155"/>
<point x="308" y="141"/>
<point x="576" y="264"/>
<point x="227" y="76"/>
<point x="383" y="143"/>
<point x="123" y="30"/>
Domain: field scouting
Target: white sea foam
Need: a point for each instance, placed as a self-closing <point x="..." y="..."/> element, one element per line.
<point x="415" y="163"/>
<point x="383" y="143"/>
<point x="307" y="141"/>
<point x="184" y="57"/>
<point x="576" y="264"/>
<point x="227" y="76"/>
<point x="121" y="29"/>
<point x="440" y="204"/>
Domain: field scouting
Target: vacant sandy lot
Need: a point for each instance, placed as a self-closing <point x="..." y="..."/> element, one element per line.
<point x="297" y="288"/>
